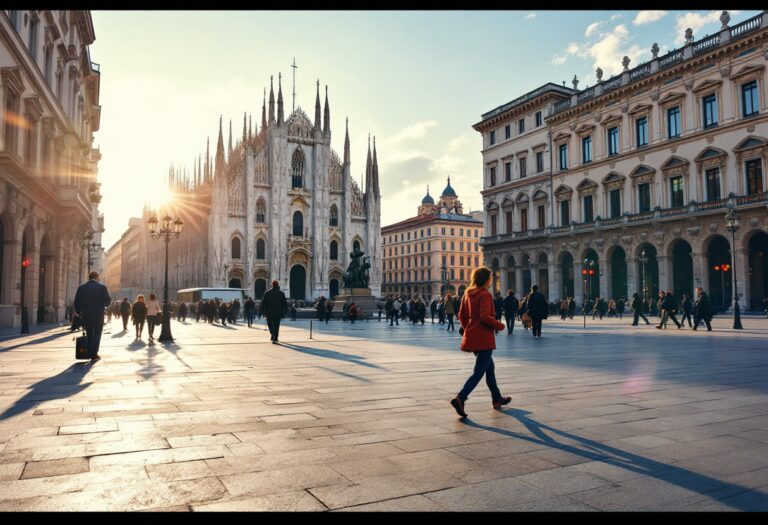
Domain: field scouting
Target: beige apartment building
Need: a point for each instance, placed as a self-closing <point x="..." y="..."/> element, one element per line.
<point x="49" y="195"/>
<point x="640" y="170"/>
<point x="433" y="252"/>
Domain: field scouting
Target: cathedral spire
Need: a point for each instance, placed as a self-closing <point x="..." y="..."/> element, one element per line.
<point x="229" y="150"/>
<point x="346" y="144"/>
<point x="280" y="113"/>
<point x="264" y="111"/>
<point x="250" y="128"/>
<point x="207" y="174"/>
<point x="245" y="129"/>
<point x="271" y="100"/>
<point x="327" y="116"/>
<point x="368" y="160"/>
<point x="317" y="107"/>
<point x="219" y="168"/>
<point x="375" y="170"/>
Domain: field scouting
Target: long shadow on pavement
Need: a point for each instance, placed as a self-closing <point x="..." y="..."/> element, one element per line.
<point x="173" y="348"/>
<point x="596" y="451"/>
<point x="38" y="341"/>
<point x="44" y="390"/>
<point x="330" y="354"/>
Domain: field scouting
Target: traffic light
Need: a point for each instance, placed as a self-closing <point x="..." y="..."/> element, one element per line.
<point x="591" y="272"/>
<point x="25" y="262"/>
<point x="717" y="268"/>
<point x="583" y="272"/>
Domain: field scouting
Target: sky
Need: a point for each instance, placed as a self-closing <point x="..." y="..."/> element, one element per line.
<point x="416" y="80"/>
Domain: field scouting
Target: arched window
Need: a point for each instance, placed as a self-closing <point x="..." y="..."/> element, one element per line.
<point x="297" y="165"/>
<point x="334" y="251"/>
<point x="261" y="211"/>
<point x="261" y="248"/>
<point x="298" y="224"/>
<point x="356" y="245"/>
<point x="334" y="215"/>
<point x="235" y="247"/>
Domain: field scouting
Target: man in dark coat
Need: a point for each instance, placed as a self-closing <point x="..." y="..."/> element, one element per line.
<point x="702" y="310"/>
<point x="537" y="307"/>
<point x="433" y="309"/>
<point x="498" y="304"/>
<point x="328" y="310"/>
<point x="510" y="310"/>
<point x="274" y="305"/>
<point x="321" y="309"/>
<point x="668" y="307"/>
<point x="125" y="312"/>
<point x="637" y="308"/>
<point x="90" y="300"/>
<point x="620" y="305"/>
<point x="687" y="307"/>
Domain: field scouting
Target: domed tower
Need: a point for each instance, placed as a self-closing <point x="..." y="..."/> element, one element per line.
<point x="449" y="201"/>
<point x="427" y="204"/>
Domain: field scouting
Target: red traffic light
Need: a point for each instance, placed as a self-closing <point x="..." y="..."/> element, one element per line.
<point x="726" y="267"/>
<point x="591" y="272"/>
<point x="583" y="272"/>
<point x="25" y="262"/>
<point x="717" y="268"/>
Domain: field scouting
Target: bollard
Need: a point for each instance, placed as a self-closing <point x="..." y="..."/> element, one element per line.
<point x="310" y="328"/>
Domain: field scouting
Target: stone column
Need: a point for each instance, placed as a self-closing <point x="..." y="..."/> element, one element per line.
<point x="555" y="286"/>
<point x="665" y="272"/>
<point x="519" y="281"/>
<point x="578" y="285"/>
<point x="32" y="283"/>
<point x="10" y="286"/>
<point x="504" y="281"/>
<point x="59" y="288"/>
<point x="603" y="278"/>
<point x="632" y="277"/>
<point x="700" y="271"/>
<point x="742" y="276"/>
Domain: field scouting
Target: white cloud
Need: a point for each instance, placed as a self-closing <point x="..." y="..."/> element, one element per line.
<point x="696" y="22"/>
<point x="414" y="131"/>
<point x="559" y="60"/>
<point x="647" y="17"/>
<point x="592" y="29"/>
<point x="607" y="52"/>
<point x="615" y="17"/>
<point x="530" y="16"/>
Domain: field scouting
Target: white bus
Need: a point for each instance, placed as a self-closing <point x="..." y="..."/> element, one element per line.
<point x="193" y="295"/>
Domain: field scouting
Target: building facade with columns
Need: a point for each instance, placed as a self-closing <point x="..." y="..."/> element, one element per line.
<point x="49" y="195"/>
<point x="642" y="166"/>
<point x="433" y="252"/>
<point x="279" y="204"/>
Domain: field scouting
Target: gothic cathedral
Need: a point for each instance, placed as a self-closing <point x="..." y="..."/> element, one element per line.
<point x="283" y="206"/>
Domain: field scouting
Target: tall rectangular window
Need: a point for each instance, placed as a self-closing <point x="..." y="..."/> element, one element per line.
<point x="586" y="149"/>
<point x="749" y="99"/>
<point x="523" y="219"/>
<point x="676" y="192"/>
<point x="15" y="19"/>
<point x="508" y="215"/>
<point x="565" y="213"/>
<point x="493" y="225"/>
<point x="615" y="198"/>
<point x="713" y="184"/>
<point x="11" y="109"/>
<point x="754" y="169"/>
<point x="508" y="131"/>
<point x="493" y="176"/>
<point x="538" y="119"/>
<point x="507" y="171"/>
<point x="521" y="126"/>
<point x="673" y="122"/>
<point x="644" y="197"/>
<point x="33" y="38"/>
<point x="588" y="209"/>
<point x="709" y="111"/>
<point x="493" y="138"/>
<point x="522" y="167"/>
<point x="47" y="64"/>
<point x="613" y="141"/>
<point x="540" y="210"/>
<point x="641" y="129"/>
<point x="563" y="150"/>
<point x="539" y="161"/>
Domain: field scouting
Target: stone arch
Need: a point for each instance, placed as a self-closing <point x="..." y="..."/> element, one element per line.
<point x="710" y="152"/>
<point x="261" y="210"/>
<point x="755" y="243"/>
<point x="642" y="169"/>
<point x="359" y="241"/>
<point x="718" y="250"/>
<point x="750" y="142"/>
<point x="682" y="267"/>
<point x="566" y="268"/>
<point x="593" y="281"/>
<point x="522" y="197"/>
<point x="334" y="217"/>
<point x="298" y="224"/>
<point x="674" y="162"/>
<point x="613" y="176"/>
<point x="586" y="184"/>
<point x="333" y="250"/>
<point x="298" y="168"/>
<point x="261" y="248"/>
<point x="648" y="271"/>
<point x="235" y="249"/>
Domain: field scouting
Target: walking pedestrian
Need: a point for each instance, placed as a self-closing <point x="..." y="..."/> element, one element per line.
<point x="536" y="308"/>
<point x="293" y="310"/>
<point x="687" y="306"/>
<point x="154" y="313"/>
<point x="441" y="312"/>
<point x="139" y="314"/>
<point x="702" y="310"/>
<point x="125" y="312"/>
<point x="183" y="312"/>
<point x="510" y="310"/>
<point x="395" y="312"/>
<point x="498" y="304"/>
<point x="620" y="306"/>
<point x="477" y="317"/>
<point x="449" y="311"/>
<point x="345" y="311"/>
<point x="90" y="300"/>
<point x="328" y="310"/>
<point x="223" y="313"/>
<point x="352" y="312"/>
<point x="274" y="305"/>
<point x="433" y="309"/>
<point x="637" y="309"/>
<point x="668" y="307"/>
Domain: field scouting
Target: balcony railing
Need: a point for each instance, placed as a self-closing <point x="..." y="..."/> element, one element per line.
<point x="747" y="26"/>
<point x="670" y="59"/>
<point x="640" y="72"/>
<point x="585" y="95"/>
<point x="562" y="106"/>
<point x="612" y="84"/>
<point x="703" y="45"/>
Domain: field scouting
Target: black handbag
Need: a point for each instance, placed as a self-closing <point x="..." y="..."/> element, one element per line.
<point x="82" y="350"/>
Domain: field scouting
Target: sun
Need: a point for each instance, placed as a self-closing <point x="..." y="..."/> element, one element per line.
<point x="160" y="197"/>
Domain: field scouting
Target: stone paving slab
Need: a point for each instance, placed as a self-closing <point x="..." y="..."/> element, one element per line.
<point x="613" y="417"/>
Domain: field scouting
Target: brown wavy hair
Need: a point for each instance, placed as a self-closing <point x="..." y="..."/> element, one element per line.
<point x="480" y="277"/>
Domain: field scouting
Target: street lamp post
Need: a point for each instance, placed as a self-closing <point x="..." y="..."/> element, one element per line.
<point x="169" y="229"/>
<point x="733" y="222"/>
<point x="444" y="277"/>
<point x="644" y="274"/>
<point x="587" y="272"/>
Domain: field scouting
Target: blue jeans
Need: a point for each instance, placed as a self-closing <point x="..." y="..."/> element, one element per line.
<point x="450" y="323"/>
<point x="483" y="366"/>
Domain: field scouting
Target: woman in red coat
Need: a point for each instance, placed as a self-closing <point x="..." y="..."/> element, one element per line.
<point x="478" y="320"/>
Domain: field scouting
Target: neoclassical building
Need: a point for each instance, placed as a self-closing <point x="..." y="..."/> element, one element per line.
<point x="636" y="177"/>
<point x="49" y="216"/>
<point x="433" y="252"/>
<point x="278" y="205"/>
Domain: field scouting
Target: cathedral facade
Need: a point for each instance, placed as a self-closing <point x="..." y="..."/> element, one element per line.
<point x="278" y="205"/>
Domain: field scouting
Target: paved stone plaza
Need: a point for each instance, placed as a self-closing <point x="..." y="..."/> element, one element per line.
<point x="357" y="418"/>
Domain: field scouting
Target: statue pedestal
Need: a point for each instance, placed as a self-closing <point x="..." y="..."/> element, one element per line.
<point x="360" y="296"/>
